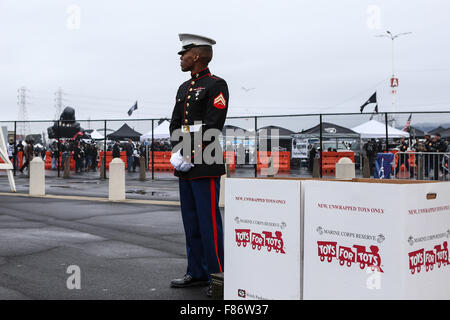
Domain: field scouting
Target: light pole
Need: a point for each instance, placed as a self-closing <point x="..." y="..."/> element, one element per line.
<point x="394" y="80"/>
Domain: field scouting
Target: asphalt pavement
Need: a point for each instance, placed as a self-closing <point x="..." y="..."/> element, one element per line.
<point x="118" y="250"/>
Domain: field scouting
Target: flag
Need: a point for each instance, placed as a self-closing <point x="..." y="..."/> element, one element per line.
<point x="134" y="107"/>
<point x="408" y="123"/>
<point x="372" y="99"/>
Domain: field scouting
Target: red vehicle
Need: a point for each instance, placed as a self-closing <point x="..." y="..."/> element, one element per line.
<point x="370" y="259"/>
<point x="442" y="254"/>
<point x="416" y="260"/>
<point x="275" y="243"/>
<point x="327" y="249"/>
<point x="257" y="241"/>
<point x="242" y="237"/>
<point x="346" y="255"/>
<point x="430" y="260"/>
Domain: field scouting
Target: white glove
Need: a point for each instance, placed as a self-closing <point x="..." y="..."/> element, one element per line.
<point x="179" y="163"/>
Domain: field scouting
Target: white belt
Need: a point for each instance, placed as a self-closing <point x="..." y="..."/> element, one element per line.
<point x="191" y="128"/>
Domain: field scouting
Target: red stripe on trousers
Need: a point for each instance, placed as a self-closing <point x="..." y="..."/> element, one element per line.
<point x="213" y="211"/>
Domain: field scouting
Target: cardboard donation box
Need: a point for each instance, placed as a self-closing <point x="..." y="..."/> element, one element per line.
<point x="291" y="238"/>
<point x="376" y="240"/>
<point x="262" y="239"/>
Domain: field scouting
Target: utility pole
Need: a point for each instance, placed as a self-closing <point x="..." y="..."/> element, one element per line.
<point x="23" y="125"/>
<point x="394" y="79"/>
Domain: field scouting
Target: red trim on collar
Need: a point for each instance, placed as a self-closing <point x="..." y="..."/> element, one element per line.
<point x="207" y="68"/>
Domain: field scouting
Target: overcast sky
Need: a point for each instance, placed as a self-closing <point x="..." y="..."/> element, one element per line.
<point x="299" y="56"/>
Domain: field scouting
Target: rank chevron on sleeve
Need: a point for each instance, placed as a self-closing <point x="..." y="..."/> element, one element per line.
<point x="220" y="102"/>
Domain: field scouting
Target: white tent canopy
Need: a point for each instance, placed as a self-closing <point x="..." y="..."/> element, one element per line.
<point x="160" y="132"/>
<point x="375" y="129"/>
<point x="96" y="135"/>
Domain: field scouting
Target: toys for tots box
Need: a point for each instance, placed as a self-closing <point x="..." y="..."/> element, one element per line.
<point x="262" y="239"/>
<point x="367" y="240"/>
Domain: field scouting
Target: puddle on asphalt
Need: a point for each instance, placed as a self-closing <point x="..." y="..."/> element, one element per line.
<point x="87" y="181"/>
<point x="151" y="193"/>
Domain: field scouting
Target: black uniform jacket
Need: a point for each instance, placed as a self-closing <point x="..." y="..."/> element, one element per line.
<point x="203" y="98"/>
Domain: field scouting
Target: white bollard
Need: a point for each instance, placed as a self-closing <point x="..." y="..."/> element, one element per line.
<point x="345" y="169"/>
<point x="116" y="180"/>
<point x="37" y="177"/>
<point x="222" y="191"/>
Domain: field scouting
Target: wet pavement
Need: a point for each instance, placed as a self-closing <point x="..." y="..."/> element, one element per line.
<point x="126" y="250"/>
<point x="122" y="250"/>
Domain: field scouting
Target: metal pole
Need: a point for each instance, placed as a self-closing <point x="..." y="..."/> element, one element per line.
<point x="104" y="150"/>
<point x="387" y="133"/>
<point x="393" y="91"/>
<point x="256" y="147"/>
<point x="152" y="150"/>
<point x="15" y="148"/>
<point x="321" y="145"/>
<point x="57" y="158"/>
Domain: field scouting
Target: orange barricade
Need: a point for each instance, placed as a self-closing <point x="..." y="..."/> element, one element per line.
<point x="48" y="161"/>
<point x="20" y="155"/>
<point x="330" y="158"/>
<point x="161" y="161"/>
<point x="411" y="160"/>
<point x="229" y="158"/>
<point x="108" y="158"/>
<point x="281" y="160"/>
<point x="403" y="172"/>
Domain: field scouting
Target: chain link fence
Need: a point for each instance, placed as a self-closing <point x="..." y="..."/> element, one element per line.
<point x="297" y="145"/>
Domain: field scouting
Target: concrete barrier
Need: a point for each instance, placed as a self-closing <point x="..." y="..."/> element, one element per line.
<point x="37" y="177"/>
<point x="116" y="180"/>
<point x="345" y="169"/>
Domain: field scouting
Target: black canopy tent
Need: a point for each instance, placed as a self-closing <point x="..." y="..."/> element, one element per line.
<point x="124" y="133"/>
<point x="283" y="135"/>
<point x="330" y="130"/>
<point x="232" y="129"/>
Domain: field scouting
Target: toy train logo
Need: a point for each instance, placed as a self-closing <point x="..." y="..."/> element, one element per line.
<point x="259" y="240"/>
<point x="438" y="256"/>
<point x="348" y="255"/>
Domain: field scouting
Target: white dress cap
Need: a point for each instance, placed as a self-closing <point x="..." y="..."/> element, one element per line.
<point x="189" y="41"/>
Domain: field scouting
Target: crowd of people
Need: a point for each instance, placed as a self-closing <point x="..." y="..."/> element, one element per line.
<point x="427" y="150"/>
<point x="84" y="153"/>
<point x="133" y="153"/>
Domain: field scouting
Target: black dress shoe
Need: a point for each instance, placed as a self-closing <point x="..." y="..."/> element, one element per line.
<point x="188" y="281"/>
<point x="209" y="291"/>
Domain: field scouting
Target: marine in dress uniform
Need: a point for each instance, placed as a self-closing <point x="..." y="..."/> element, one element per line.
<point x="201" y="104"/>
